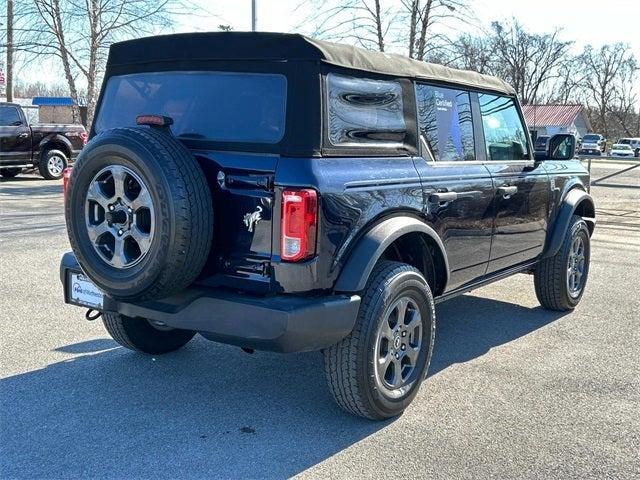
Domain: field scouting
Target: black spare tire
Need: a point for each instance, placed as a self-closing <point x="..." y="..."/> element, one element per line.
<point x="139" y="213"/>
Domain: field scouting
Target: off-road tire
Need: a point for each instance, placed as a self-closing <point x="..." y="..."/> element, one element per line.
<point x="139" y="335"/>
<point x="43" y="166"/>
<point x="550" y="275"/>
<point x="183" y="213"/>
<point x="9" y="172"/>
<point x="349" y="364"/>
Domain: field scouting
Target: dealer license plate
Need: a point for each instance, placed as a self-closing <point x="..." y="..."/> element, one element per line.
<point x="83" y="292"/>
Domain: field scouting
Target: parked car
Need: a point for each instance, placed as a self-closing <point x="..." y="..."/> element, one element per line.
<point x="280" y="193"/>
<point x="633" y="142"/>
<point x="593" y="144"/>
<point x="47" y="147"/>
<point x="541" y="143"/>
<point x="621" y="150"/>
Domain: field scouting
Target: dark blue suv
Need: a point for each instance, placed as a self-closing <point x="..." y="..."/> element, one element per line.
<point x="280" y="193"/>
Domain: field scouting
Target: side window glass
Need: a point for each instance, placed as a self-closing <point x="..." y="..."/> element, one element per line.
<point x="504" y="133"/>
<point x="363" y="112"/>
<point x="445" y="122"/>
<point x="9" y="116"/>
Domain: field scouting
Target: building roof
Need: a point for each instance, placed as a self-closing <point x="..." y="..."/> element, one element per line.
<point x="551" y="115"/>
<point x="53" y="101"/>
<point x="284" y="47"/>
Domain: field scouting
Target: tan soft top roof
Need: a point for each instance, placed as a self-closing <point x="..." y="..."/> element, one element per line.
<point x="256" y="46"/>
<point x="393" y="64"/>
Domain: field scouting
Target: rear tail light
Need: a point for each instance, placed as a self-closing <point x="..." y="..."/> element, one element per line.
<point x="84" y="136"/>
<point x="299" y="223"/>
<point x="66" y="174"/>
<point x="154" y="120"/>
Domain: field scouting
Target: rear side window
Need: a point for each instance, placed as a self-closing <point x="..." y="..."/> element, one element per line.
<point x="9" y="117"/>
<point x="216" y="106"/>
<point x="364" y="112"/>
<point x="445" y="122"/>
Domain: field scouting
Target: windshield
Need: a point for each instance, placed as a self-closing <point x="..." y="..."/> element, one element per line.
<point x="216" y="106"/>
<point x="591" y="138"/>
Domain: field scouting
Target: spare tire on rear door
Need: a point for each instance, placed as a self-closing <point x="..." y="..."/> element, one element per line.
<point x="139" y="213"/>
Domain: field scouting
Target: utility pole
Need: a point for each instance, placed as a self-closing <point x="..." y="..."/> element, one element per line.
<point x="253" y="15"/>
<point x="9" y="79"/>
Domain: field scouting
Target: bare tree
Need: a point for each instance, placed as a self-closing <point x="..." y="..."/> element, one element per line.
<point x="378" y="24"/>
<point x="607" y="82"/>
<point x="422" y="16"/>
<point x="9" y="75"/>
<point x="470" y="52"/>
<point x="526" y="60"/>
<point x="566" y="87"/>
<point x="40" y="89"/>
<point x="79" y="32"/>
<point x="363" y="22"/>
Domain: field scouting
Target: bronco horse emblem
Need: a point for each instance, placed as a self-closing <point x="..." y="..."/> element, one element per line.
<point x="252" y="219"/>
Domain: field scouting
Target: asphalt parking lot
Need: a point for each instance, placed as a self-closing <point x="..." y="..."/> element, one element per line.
<point x="514" y="391"/>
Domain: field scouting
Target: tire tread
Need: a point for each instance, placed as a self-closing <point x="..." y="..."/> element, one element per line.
<point x="188" y="194"/>
<point x="550" y="275"/>
<point x="340" y="360"/>
<point x="138" y="335"/>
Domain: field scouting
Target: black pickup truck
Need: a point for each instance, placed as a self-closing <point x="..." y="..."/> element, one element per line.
<point x="276" y="192"/>
<point x="48" y="147"/>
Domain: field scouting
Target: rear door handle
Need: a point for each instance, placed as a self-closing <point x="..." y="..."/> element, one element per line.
<point x="506" y="192"/>
<point x="23" y="135"/>
<point x="443" y="197"/>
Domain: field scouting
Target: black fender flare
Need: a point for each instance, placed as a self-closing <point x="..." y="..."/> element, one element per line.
<point x="54" y="138"/>
<point x="576" y="199"/>
<point x="372" y="245"/>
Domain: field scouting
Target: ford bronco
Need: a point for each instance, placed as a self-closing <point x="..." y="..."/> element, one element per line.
<point x="48" y="147"/>
<point x="275" y="192"/>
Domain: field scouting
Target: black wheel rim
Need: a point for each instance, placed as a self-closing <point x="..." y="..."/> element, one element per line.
<point x="576" y="265"/>
<point x="397" y="347"/>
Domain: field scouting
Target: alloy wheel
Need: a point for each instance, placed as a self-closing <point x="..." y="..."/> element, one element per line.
<point x="576" y="266"/>
<point x="55" y="165"/>
<point x="119" y="216"/>
<point x="397" y="347"/>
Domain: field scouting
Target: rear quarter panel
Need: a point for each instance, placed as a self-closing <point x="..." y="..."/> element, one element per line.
<point x="68" y="136"/>
<point x="354" y="193"/>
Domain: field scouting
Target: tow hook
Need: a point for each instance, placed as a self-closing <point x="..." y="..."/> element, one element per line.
<point x="92" y="314"/>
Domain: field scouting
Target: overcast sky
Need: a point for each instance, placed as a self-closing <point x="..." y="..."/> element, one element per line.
<point x="584" y="21"/>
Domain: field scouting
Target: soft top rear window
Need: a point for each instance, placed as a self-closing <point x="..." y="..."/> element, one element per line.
<point x="214" y="106"/>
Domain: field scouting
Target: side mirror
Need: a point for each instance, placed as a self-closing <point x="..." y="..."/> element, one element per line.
<point x="560" y="147"/>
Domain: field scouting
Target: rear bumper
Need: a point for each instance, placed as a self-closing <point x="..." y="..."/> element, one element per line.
<point x="283" y="323"/>
<point x="589" y="151"/>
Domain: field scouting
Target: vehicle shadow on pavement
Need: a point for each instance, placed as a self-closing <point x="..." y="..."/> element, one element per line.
<point x="10" y="189"/>
<point x="208" y="410"/>
<point x="20" y="179"/>
<point x="467" y="327"/>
